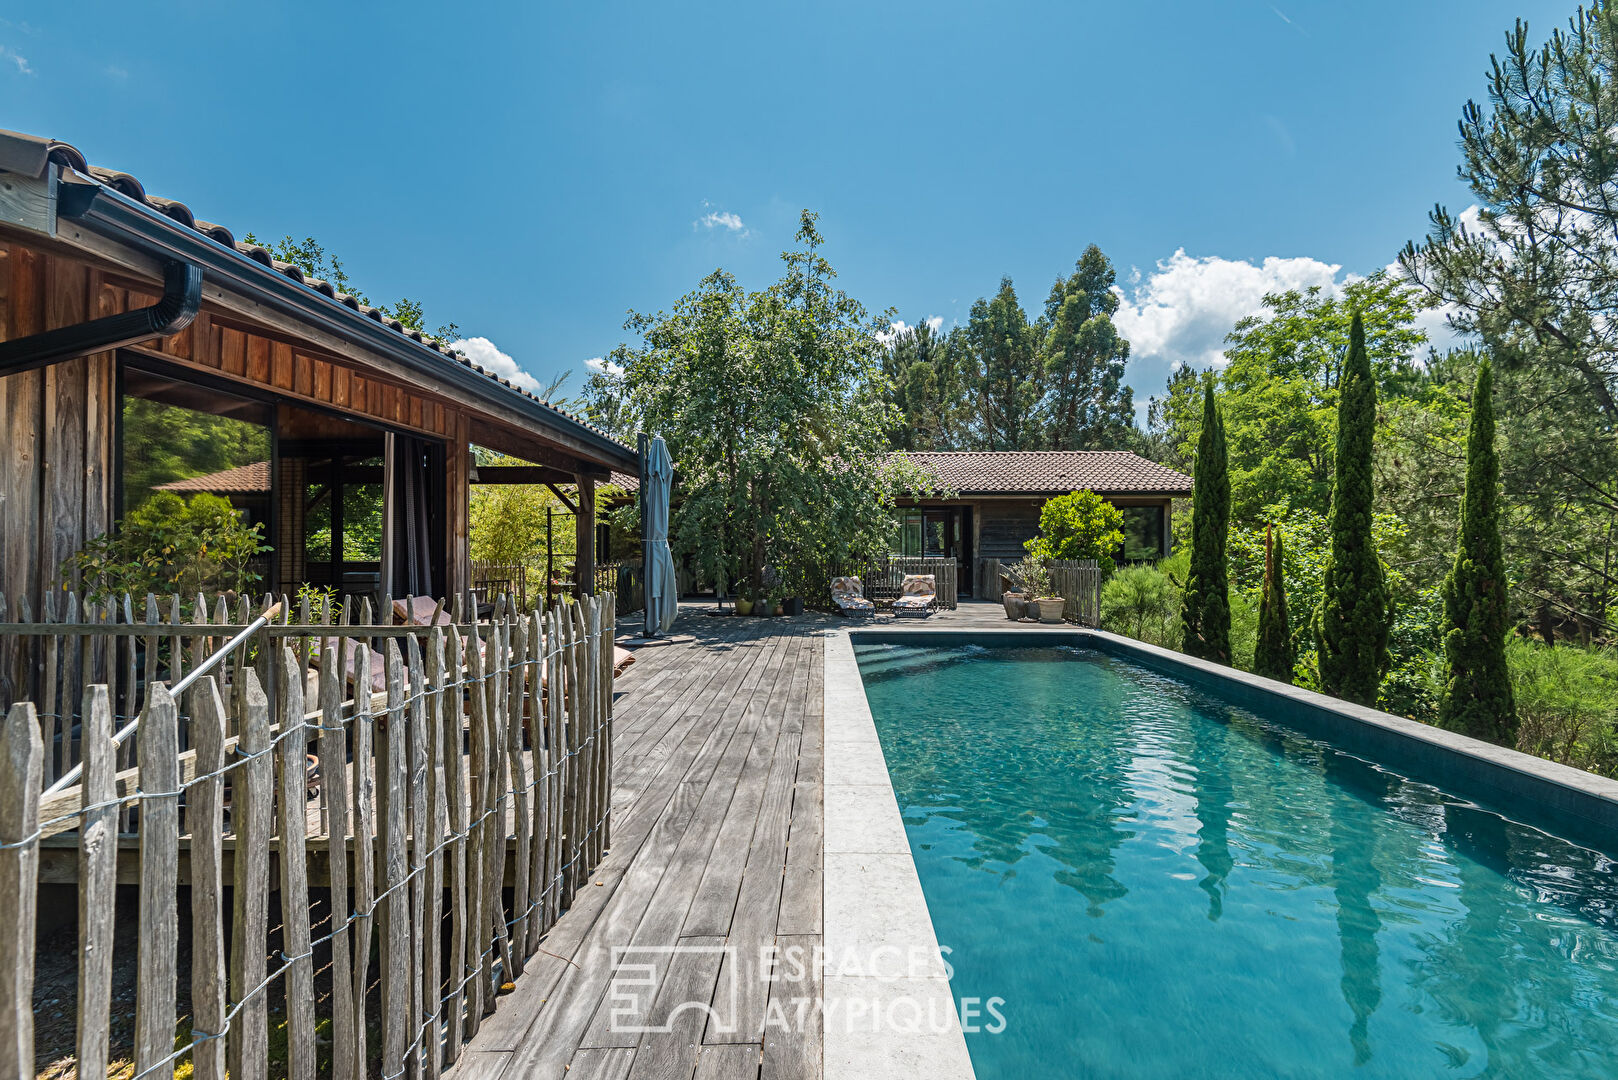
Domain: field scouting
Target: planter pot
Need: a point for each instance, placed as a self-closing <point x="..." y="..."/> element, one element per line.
<point x="780" y="608"/>
<point x="744" y="606"/>
<point x="1049" y="608"/>
<point x="1016" y="605"/>
<point x="794" y="605"/>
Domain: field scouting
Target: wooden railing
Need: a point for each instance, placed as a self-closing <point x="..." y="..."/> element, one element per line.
<point x="451" y="763"/>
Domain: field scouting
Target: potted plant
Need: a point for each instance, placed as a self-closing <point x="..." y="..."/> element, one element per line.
<point x="744" y="604"/>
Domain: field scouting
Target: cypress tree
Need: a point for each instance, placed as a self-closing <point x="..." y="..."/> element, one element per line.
<point x="1477" y="697"/>
<point x="1205" y="611"/>
<point x="1352" y="623"/>
<point x="1273" y="657"/>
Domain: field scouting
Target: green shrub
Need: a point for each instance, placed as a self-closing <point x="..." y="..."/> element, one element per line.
<point x="1567" y="703"/>
<point x="1079" y="525"/>
<point x="171" y="545"/>
<point x="1142" y="602"/>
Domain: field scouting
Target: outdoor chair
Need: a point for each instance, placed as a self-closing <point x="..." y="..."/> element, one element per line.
<point x="917" y="595"/>
<point x="849" y="596"/>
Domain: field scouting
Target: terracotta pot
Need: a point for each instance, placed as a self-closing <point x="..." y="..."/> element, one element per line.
<point x="1016" y="605"/>
<point x="780" y="608"/>
<point x="1050" y="608"/>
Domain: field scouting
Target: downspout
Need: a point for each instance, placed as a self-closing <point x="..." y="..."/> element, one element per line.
<point x="173" y="312"/>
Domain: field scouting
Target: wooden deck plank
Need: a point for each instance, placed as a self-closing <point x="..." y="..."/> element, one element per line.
<point x="710" y="793"/>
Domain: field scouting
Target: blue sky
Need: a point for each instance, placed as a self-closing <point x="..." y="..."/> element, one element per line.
<point x="533" y="171"/>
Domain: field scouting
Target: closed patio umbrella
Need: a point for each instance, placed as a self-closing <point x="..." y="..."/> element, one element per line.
<point x="661" y="590"/>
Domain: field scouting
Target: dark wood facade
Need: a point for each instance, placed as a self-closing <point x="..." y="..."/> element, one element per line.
<point x="58" y="483"/>
<point x="977" y="528"/>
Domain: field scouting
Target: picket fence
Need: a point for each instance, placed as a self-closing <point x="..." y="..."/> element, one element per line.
<point x="444" y="753"/>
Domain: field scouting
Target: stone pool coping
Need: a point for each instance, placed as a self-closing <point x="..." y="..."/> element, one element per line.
<point x="886" y="1000"/>
<point x="1580" y="804"/>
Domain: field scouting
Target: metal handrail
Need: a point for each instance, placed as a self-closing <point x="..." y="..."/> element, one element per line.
<point x="122" y="735"/>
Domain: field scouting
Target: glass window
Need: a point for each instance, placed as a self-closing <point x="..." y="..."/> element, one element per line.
<point x="1143" y="533"/>
<point x="188" y="439"/>
<point x="909" y="539"/>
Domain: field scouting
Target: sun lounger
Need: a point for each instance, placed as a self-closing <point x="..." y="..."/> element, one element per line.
<point x="848" y="593"/>
<point x="917" y="595"/>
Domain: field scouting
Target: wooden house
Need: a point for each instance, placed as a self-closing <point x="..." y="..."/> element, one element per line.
<point x="142" y="349"/>
<point x="995" y="499"/>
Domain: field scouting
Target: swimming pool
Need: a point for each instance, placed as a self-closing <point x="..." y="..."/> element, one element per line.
<point x="1161" y="884"/>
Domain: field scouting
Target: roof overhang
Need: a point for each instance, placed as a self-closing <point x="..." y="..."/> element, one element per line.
<point x="120" y="219"/>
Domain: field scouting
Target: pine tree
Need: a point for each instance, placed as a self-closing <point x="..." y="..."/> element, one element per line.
<point x="1205" y="610"/>
<point x="1477" y="697"/>
<point x="1087" y="406"/>
<point x="1273" y="657"/>
<point x="1352" y="623"/>
<point x="1005" y="363"/>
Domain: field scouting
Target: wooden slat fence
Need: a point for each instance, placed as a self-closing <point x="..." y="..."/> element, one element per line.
<point x="464" y="760"/>
<point x="1077" y="581"/>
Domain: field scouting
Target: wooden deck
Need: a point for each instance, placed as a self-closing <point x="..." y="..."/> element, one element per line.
<point x="715" y="861"/>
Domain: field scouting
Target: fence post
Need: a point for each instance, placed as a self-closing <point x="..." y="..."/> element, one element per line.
<point x="158" y="755"/>
<point x="98" y="884"/>
<point x="250" y="812"/>
<point x="205" y="818"/>
<point x="295" y="948"/>
<point x="22" y="761"/>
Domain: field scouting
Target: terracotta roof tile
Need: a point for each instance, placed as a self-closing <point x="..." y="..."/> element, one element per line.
<point x="251" y="479"/>
<point x="1051" y="472"/>
<point x="68" y="156"/>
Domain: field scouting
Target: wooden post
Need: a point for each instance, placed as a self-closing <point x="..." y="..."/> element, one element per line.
<point x="22" y="762"/>
<point x="334" y="786"/>
<point x="205" y="819"/>
<point x="250" y="813"/>
<point x="396" y="907"/>
<point x="456" y="813"/>
<point x="155" y="983"/>
<point x="364" y="843"/>
<point x="299" y="979"/>
<point x="98" y="883"/>
<point x="584" y="559"/>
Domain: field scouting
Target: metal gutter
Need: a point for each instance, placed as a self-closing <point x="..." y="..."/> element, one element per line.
<point x="118" y="217"/>
<point x="173" y="312"/>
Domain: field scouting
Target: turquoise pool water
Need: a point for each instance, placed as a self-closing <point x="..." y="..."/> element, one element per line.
<point x="1162" y="885"/>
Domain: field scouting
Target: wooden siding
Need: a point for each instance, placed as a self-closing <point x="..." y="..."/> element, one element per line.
<point x="56" y="478"/>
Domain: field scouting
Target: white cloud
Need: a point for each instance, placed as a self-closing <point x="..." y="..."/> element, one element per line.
<point x="605" y="366"/>
<point x="486" y="355"/>
<point x="1181" y="312"/>
<point x="16" y="59"/>
<point x="721" y="219"/>
<point x="899" y="326"/>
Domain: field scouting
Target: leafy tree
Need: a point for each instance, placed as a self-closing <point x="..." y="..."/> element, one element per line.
<point x="766" y="400"/>
<point x="1205" y="611"/>
<point x="926" y="384"/>
<point x="1477" y="687"/>
<point x="171" y="545"/>
<point x="1079" y="525"/>
<point x="1281" y="387"/>
<point x="1273" y="656"/>
<point x="314" y="261"/>
<point x="1004" y="359"/>
<point x="1535" y="276"/>
<point x="1082" y="357"/>
<point x="1351" y="625"/>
